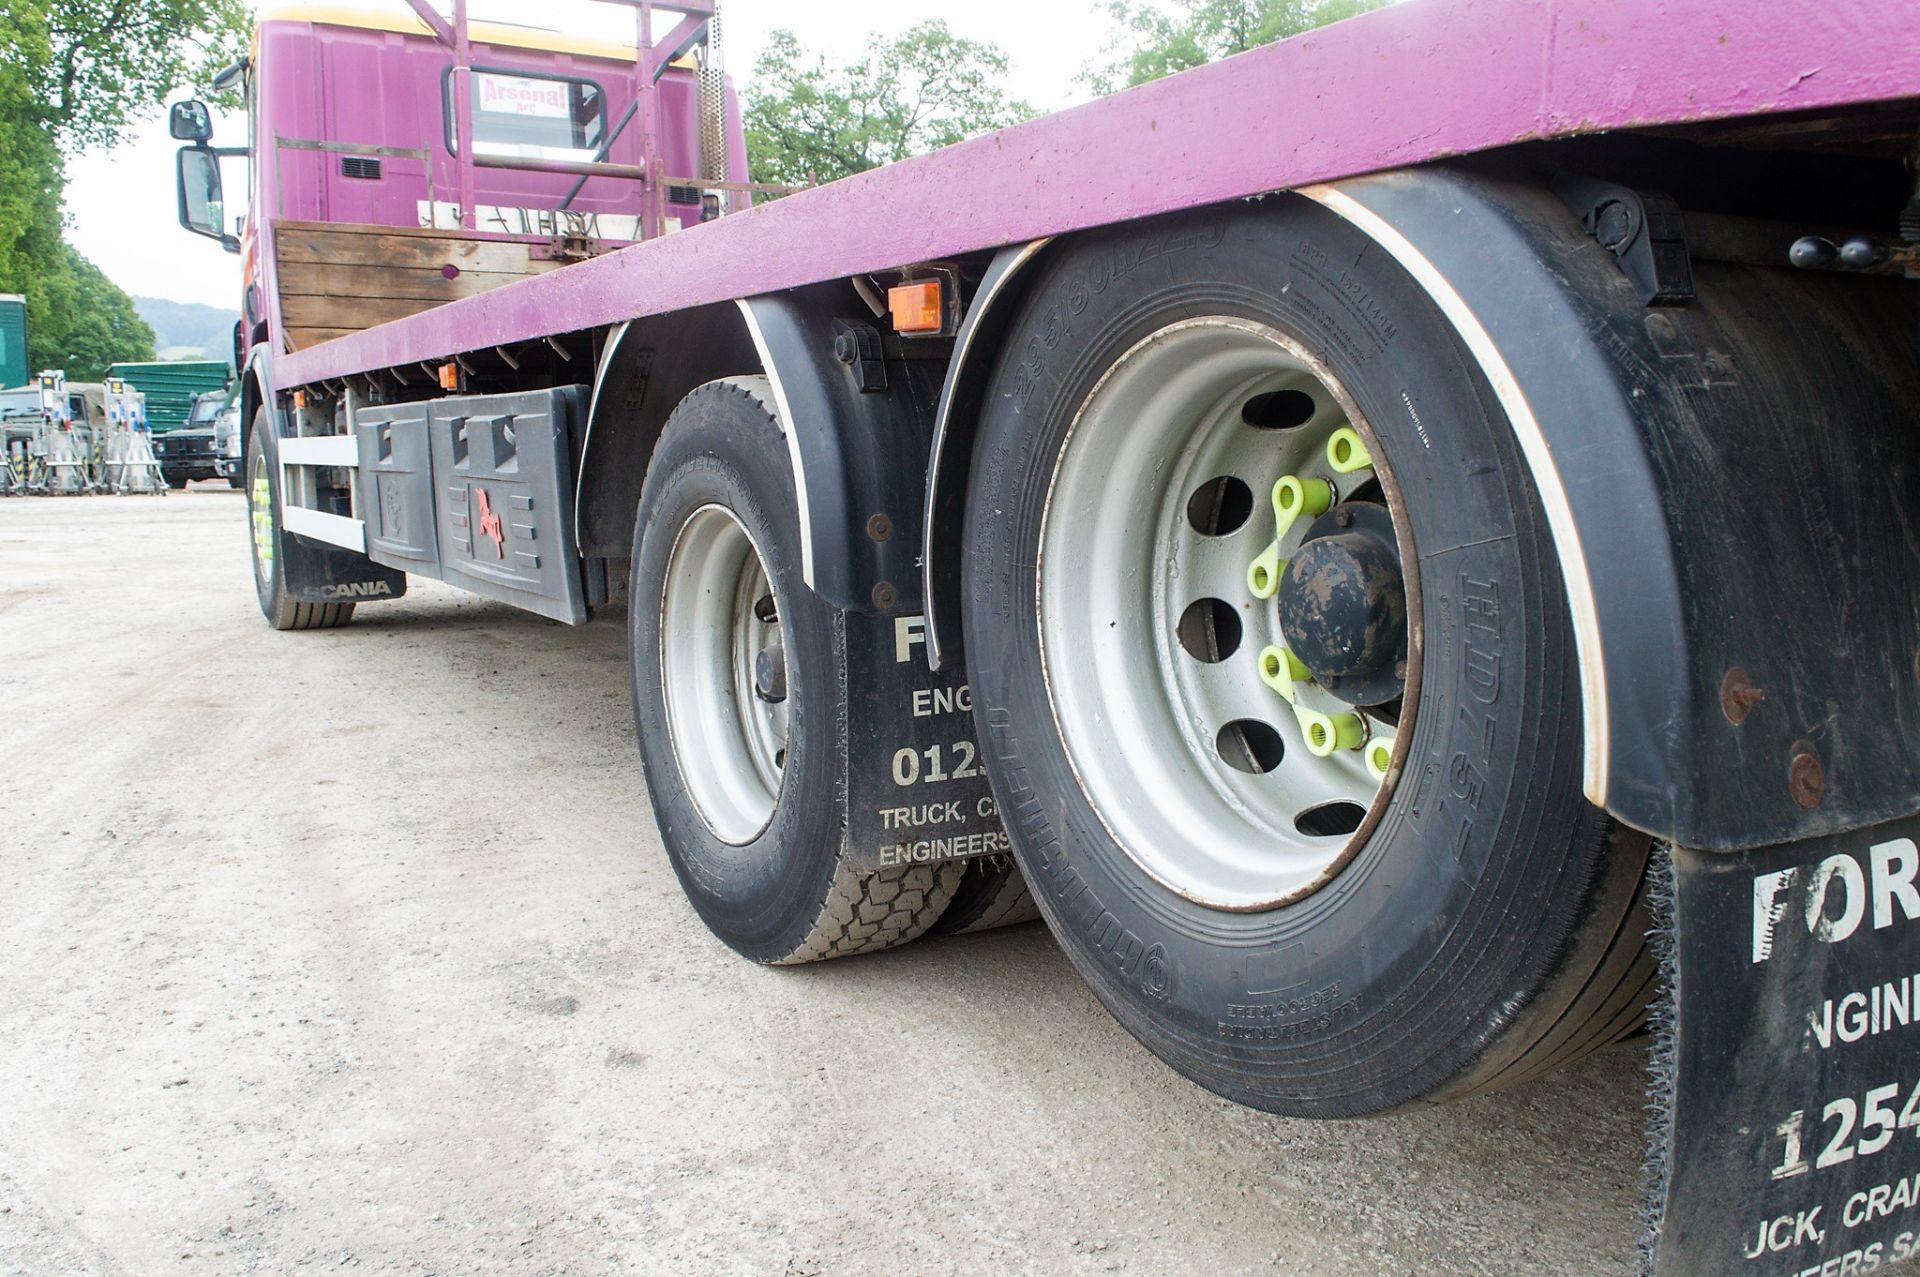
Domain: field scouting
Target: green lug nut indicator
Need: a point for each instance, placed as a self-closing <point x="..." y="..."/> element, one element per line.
<point x="262" y="503"/>
<point x="1295" y="496"/>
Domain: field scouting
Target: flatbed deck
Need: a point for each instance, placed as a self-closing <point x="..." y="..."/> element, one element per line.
<point x="1416" y="82"/>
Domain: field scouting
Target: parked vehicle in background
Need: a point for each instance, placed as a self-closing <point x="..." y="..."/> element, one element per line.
<point x="227" y="438"/>
<point x="171" y="386"/>
<point x="1383" y="518"/>
<point x="13" y="340"/>
<point x="189" y="450"/>
<point x="54" y="436"/>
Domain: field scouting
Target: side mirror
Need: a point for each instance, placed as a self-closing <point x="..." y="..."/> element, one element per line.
<point x="189" y="121"/>
<point x="202" y="202"/>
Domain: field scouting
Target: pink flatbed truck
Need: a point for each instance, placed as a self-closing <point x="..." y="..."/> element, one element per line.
<point x="1402" y="546"/>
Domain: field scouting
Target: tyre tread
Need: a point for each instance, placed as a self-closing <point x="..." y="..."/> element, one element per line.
<point x="866" y="912"/>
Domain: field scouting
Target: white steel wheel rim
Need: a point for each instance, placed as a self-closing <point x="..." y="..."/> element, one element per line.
<point x="1121" y="562"/>
<point x="730" y="746"/>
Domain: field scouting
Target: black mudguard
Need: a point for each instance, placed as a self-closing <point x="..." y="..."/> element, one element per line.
<point x="860" y="430"/>
<point x="316" y="572"/>
<point x="1734" y="486"/>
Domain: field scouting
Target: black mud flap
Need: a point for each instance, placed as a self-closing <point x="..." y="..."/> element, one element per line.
<point x="916" y="785"/>
<point x="316" y="572"/>
<point x="1787" y="1078"/>
<point x="313" y="571"/>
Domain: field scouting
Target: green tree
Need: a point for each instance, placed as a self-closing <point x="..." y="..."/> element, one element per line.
<point x="927" y="88"/>
<point x="97" y="66"/>
<point x="1159" y="41"/>
<point x="88" y="323"/>
<point x="75" y="74"/>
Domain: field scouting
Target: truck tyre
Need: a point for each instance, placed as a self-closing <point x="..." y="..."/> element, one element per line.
<point x="265" y="541"/>
<point x="1309" y="821"/>
<point x="746" y="779"/>
<point x="991" y="894"/>
<point x="175" y="480"/>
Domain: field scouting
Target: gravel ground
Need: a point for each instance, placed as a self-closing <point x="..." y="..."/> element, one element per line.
<point x="358" y="950"/>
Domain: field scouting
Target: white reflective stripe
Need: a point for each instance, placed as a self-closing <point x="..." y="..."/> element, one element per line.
<point x="793" y="439"/>
<point x="334" y="529"/>
<point x="320" y="450"/>
<point x="1533" y="445"/>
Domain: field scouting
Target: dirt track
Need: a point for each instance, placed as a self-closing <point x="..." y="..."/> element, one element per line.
<point x="358" y="950"/>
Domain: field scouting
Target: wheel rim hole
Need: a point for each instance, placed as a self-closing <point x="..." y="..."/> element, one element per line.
<point x="1330" y="820"/>
<point x="1209" y="630"/>
<point x="1220" y="507"/>
<point x="1249" y="745"/>
<point x="1368" y="491"/>
<point x="1279" y="410"/>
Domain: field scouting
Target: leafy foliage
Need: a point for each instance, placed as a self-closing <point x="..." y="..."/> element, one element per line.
<point x="88" y="324"/>
<point x="925" y="89"/>
<point x="1161" y="41"/>
<point x="94" y="66"/>
<point x="74" y="74"/>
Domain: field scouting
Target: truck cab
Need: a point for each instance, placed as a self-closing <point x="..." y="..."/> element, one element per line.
<point x="387" y="172"/>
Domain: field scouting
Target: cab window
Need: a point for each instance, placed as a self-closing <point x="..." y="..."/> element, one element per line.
<point x="546" y="117"/>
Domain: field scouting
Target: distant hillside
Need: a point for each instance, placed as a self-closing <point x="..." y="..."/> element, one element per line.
<point x="188" y="330"/>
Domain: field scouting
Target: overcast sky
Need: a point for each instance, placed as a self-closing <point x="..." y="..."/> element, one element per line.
<point x="122" y="202"/>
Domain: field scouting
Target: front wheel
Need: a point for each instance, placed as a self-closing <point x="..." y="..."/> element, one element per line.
<point x="736" y="683"/>
<point x="1275" y="678"/>
<point x="266" y="541"/>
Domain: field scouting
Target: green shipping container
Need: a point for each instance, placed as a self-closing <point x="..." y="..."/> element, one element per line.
<point x="13" y="341"/>
<point x="170" y="387"/>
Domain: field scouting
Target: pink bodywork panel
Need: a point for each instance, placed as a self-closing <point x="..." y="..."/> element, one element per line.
<point x="1414" y="82"/>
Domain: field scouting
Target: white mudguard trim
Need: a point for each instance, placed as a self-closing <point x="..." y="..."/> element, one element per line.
<point x="1533" y="445"/>
<point x="786" y="428"/>
<point x="618" y="335"/>
<point x="321" y="450"/>
<point x="334" y="529"/>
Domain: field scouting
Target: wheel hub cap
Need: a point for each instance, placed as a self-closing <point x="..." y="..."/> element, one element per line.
<point x="1343" y="605"/>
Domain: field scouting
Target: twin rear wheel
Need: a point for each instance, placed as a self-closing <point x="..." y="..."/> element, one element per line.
<point x="1271" y="670"/>
<point x="736" y="676"/>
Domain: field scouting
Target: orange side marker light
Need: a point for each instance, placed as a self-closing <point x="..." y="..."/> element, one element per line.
<point x="917" y="307"/>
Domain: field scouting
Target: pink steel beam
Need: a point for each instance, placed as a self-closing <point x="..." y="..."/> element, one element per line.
<point x="435" y="23"/>
<point x="462" y="119"/>
<point x="1407" y="84"/>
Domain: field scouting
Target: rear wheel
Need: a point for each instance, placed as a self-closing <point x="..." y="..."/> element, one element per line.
<point x="736" y="675"/>
<point x="1275" y="677"/>
<point x="266" y="542"/>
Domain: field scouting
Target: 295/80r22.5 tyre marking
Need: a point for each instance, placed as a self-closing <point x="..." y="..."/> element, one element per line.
<point x="1479" y="921"/>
